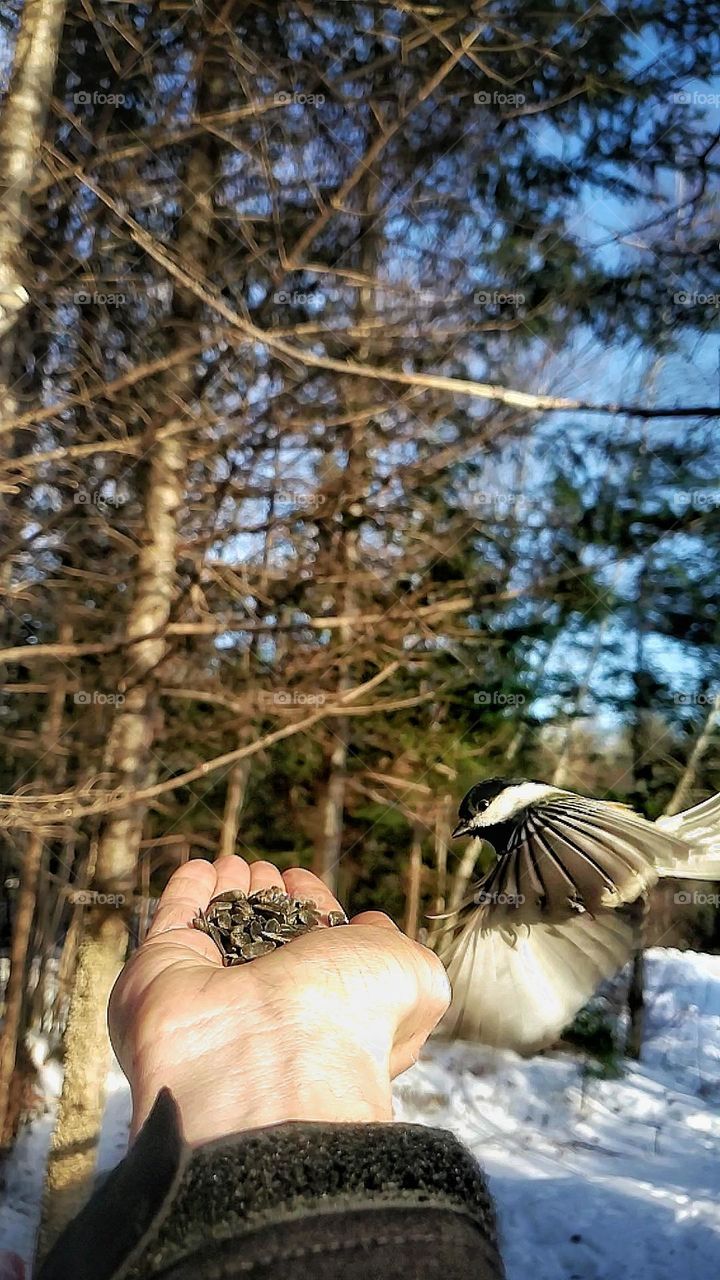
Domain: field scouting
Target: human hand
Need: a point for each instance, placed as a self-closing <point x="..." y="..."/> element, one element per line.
<point x="314" y="1031"/>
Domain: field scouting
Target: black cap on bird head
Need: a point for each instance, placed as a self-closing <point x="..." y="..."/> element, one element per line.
<point x="477" y="799"/>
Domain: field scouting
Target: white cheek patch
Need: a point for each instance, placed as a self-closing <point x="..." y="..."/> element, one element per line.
<point x="512" y="800"/>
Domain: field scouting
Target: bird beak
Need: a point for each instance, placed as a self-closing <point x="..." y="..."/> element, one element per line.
<point x="462" y="829"/>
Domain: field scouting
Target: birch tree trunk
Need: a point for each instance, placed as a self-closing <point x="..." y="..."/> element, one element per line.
<point x="74" y="1146"/>
<point x="22" y="125"/>
<point x="21" y="132"/>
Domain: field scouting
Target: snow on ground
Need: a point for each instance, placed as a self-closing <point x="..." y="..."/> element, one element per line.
<point x="597" y="1179"/>
<point x="613" y="1179"/>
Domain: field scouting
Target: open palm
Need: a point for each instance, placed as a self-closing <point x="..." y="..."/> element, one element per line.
<point x="314" y="1030"/>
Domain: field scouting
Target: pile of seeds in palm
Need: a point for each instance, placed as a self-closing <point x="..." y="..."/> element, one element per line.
<point x="244" y="926"/>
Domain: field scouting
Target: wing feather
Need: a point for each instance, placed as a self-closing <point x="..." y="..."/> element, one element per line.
<point x="552" y="917"/>
<point x="569" y="852"/>
<point x="699" y="828"/>
<point x="517" y="987"/>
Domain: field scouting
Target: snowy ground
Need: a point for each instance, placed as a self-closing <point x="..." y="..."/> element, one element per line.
<point x="594" y="1179"/>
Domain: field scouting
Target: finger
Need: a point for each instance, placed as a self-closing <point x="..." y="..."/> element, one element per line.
<point x="187" y="892"/>
<point x="428" y="967"/>
<point x="414" y="989"/>
<point x="232" y="873"/>
<point x="433" y="998"/>
<point x="375" y="917"/>
<point x="263" y="875"/>
<point x="301" y="883"/>
<point x="406" y="1053"/>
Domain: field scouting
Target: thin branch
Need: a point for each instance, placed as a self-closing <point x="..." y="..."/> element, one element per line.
<point x="436" y="382"/>
<point x="49" y="810"/>
<point x="32" y="653"/>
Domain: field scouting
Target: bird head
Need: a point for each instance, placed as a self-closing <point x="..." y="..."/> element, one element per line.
<point x="496" y="800"/>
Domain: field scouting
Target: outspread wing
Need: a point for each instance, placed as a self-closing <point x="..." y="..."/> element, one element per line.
<point x="699" y="828"/>
<point x="517" y="986"/>
<point x="571" y="853"/>
<point x="553" y="917"/>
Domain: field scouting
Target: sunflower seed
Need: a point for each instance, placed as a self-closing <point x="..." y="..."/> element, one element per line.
<point x="252" y="950"/>
<point x="230" y="896"/>
<point x="244" y="928"/>
<point x="336" y="917"/>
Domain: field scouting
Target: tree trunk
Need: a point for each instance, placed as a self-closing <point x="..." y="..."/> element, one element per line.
<point x="234" y="800"/>
<point x="329" y="845"/>
<point x="642" y="773"/>
<point x="45" y="990"/>
<point x="74" y="1143"/>
<point x="22" y="125"/>
<point x="74" y="1146"/>
<point x="443" y="828"/>
<point x="412" y="901"/>
<point x="26" y="905"/>
<point x="561" y="774"/>
<point x="21" y="133"/>
<point x="464" y="873"/>
<point x="332" y="808"/>
<point x="636" y="987"/>
<point x="681" y="795"/>
<point x="636" y="1006"/>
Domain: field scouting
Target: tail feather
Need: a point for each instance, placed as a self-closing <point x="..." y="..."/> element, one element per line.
<point x="517" y="986"/>
<point x="699" y="828"/>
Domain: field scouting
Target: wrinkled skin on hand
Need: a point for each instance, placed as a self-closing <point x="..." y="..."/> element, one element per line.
<point x="314" y="1031"/>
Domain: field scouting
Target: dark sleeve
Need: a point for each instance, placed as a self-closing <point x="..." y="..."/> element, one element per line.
<point x="294" y="1201"/>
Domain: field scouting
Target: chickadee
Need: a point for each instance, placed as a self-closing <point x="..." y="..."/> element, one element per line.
<point x="554" y="915"/>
